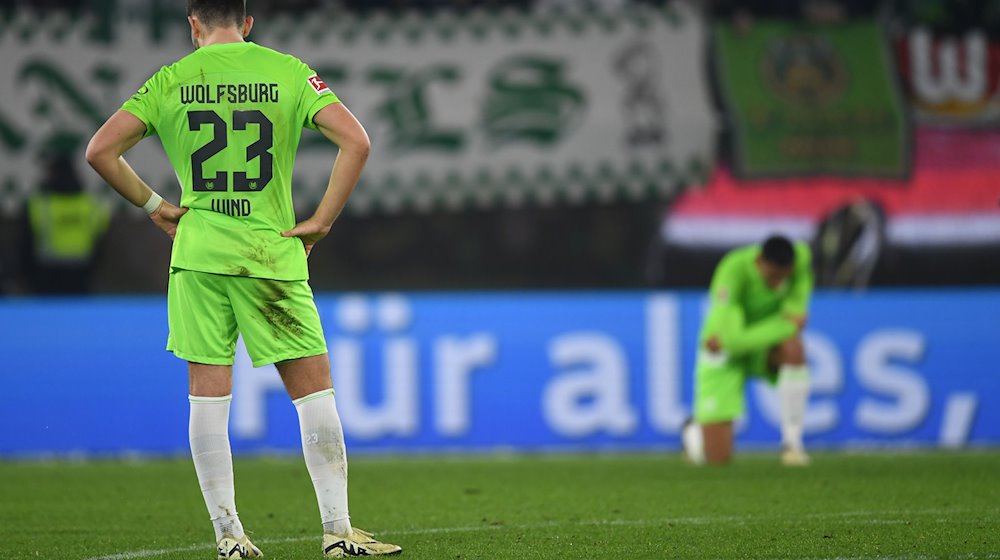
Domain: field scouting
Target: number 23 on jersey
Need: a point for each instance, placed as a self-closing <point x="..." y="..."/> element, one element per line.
<point x="259" y="149"/>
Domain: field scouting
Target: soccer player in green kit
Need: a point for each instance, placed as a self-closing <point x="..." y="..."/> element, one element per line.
<point x="759" y="300"/>
<point x="230" y="116"/>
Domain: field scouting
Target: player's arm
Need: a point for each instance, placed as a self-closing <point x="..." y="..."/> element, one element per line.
<point x="739" y="339"/>
<point x="732" y="335"/>
<point x="339" y="126"/>
<point x="796" y="304"/>
<point x="728" y="330"/>
<point x="104" y="153"/>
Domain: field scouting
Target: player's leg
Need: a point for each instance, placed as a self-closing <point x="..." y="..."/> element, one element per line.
<point x="203" y="331"/>
<point x="718" y="442"/>
<point x="308" y="383"/>
<point x="789" y="360"/>
<point x="210" y="381"/>
<point x="280" y="325"/>
<point x="719" y="400"/>
<point x="211" y="388"/>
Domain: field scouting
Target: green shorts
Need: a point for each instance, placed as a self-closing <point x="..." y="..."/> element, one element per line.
<point x="206" y="312"/>
<point x="719" y="384"/>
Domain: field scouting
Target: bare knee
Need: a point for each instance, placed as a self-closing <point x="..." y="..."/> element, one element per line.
<point x="718" y="438"/>
<point x="305" y="376"/>
<point x="206" y="380"/>
<point x="791" y="352"/>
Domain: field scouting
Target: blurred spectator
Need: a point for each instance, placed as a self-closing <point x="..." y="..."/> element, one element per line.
<point x="62" y="230"/>
<point x="291" y="7"/>
<point x="572" y="4"/>
<point x="743" y="12"/>
<point x="431" y="5"/>
<point x="949" y="17"/>
<point x="45" y="6"/>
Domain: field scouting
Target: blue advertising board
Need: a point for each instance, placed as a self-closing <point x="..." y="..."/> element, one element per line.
<point x="512" y="371"/>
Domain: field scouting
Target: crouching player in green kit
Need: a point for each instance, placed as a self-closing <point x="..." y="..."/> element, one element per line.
<point x="759" y="300"/>
<point x="230" y="116"/>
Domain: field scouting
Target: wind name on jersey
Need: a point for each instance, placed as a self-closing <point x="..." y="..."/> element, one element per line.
<point x="237" y="207"/>
<point x="229" y="93"/>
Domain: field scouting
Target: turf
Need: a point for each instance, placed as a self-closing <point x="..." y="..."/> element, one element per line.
<point x="845" y="506"/>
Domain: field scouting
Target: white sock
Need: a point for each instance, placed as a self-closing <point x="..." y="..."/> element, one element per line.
<point x="326" y="457"/>
<point x="793" y="395"/>
<point x="694" y="442"/>
<point x="208" y="432"/>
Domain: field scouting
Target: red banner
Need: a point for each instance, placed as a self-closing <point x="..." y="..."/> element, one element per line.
<point x="951" y="198"/>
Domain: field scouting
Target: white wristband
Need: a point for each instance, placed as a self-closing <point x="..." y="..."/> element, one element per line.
<point x="153" y="203"/>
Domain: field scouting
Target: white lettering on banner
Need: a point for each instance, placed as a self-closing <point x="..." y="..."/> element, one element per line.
<point x="590" y="387"/>
<point x="875" y="371"/>
<point x="826" y="378"/>
<point x="667" y="412"/>
<point x="959" y="414"/>
<point x="352" y="314"/>
<point x="593" y="398"/>
<point x="455" y="359"/>
<point x="398" y="413"/>
<point x="251" y="387"/>
<point x="952" y="80"/>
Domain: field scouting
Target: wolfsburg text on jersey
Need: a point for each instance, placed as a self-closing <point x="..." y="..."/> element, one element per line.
<point x="229" y="93"/>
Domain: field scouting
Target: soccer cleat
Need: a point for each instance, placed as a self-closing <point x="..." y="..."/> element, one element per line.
<point x="231" y="547"/>
<point x="795" y="457"/>
<point x="356" y="543"/>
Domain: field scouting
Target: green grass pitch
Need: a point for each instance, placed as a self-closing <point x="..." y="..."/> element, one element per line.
<point x="845" y="506"/>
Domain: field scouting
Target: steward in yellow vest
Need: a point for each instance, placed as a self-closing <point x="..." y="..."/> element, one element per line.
<point x="65" y="228"/>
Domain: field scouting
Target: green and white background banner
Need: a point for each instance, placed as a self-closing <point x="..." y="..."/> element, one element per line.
<point x="472" y="110"/>
<point x="812" y="100"/>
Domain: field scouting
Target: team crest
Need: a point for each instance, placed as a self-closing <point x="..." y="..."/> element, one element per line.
<point x="805" y="70"/>
<point x="318" y="84"/>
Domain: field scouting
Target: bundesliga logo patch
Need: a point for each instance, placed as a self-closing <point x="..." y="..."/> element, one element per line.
<point x="318" y="84"/>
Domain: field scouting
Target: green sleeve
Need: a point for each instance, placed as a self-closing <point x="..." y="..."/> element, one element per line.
<point x="726" y="319"/>
<point x="797" y="301"/>
<point x="145" y="103"/>
<point x="740" y="339"/>
<point x="313" y="95"/>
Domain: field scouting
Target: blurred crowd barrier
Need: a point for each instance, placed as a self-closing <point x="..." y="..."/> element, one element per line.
<point x="524" y="371"/>
<point x="517" y="130"/>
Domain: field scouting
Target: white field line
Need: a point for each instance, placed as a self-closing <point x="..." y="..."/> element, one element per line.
<point x="866" y="517"/>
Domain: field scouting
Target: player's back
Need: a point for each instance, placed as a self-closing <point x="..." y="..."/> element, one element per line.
<point x="738" y="275"/>
<point x="230" y="117"/>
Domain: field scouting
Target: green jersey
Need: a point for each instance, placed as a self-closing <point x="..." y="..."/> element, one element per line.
<point x="230" y="117"/>
<point x="745" y="313"/>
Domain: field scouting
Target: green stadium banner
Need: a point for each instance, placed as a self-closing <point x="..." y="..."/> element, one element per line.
<point x="471" y="109"/>
<point x="809" y="100"/>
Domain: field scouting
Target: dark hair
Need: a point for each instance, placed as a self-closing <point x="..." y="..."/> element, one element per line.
<point x="778" y="250"/>
<point x="60" y="175"/>
<point x="218" y="13"/>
